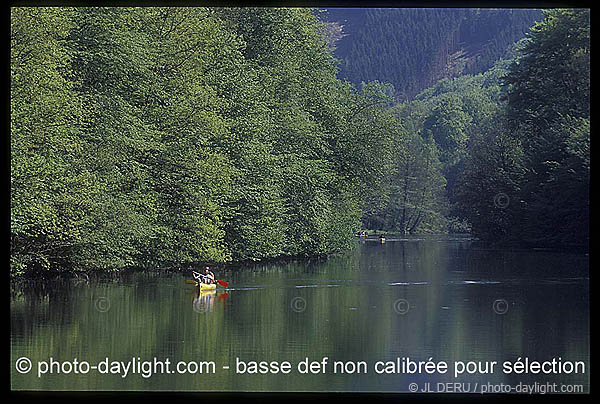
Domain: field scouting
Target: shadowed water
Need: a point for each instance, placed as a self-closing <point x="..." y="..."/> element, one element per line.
<point x="439" y="298"/>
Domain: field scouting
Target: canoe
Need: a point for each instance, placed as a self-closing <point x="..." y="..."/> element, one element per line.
<point x="207" y="286"/>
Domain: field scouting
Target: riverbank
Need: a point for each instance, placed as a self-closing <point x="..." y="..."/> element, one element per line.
<point x="229" y="267"/>
<point x="89" y="274"/>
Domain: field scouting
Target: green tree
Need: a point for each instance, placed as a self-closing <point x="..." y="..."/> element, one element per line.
<point x="489" y="187"/>
<point x="548" y="90"/>
<point x="51" y="191"/>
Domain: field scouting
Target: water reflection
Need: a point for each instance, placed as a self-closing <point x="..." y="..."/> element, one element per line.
<point x="428" y="298"/>
<point x="204" y="301"/>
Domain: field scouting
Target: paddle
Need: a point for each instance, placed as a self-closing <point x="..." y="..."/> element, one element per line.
<point x="225" y="284"/>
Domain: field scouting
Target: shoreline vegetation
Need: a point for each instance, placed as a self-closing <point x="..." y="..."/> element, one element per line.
<point x="157" y="137"/>
<point x="91" y="274"/>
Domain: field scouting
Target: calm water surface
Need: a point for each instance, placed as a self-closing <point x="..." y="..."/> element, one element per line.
<point x="440" y="298"/>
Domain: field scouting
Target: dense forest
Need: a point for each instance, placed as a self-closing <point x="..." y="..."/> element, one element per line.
<point x="149" y="137"/>
<point x="413" y="48"/>
<point x="512" y="144"/>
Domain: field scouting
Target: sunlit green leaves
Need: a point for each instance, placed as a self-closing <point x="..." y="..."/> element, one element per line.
<point x="162" y="136"/>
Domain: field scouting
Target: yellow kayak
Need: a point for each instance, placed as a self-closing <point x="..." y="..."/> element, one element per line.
<point x="207" y="286"/>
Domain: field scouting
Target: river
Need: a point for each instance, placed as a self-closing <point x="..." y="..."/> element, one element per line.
<point x="338" y="323"/>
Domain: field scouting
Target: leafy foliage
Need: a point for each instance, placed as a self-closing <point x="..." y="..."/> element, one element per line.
<point x="144" y="137"/>
<point x="162" y="136"/>
<point x="538" y="150"/>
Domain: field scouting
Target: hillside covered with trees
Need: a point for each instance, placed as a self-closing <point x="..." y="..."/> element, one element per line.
<point x="150" y="137"/>
<point x="512" y="144"/>
<point x="413" y="48"/>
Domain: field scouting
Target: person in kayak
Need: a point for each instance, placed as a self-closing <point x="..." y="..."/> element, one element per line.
<point x="207" y="277"/>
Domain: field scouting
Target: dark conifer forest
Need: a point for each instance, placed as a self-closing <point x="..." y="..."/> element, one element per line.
<point x="413" y="48"/>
